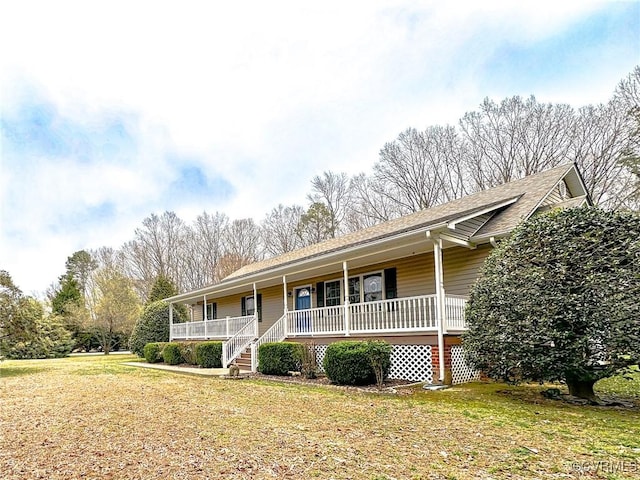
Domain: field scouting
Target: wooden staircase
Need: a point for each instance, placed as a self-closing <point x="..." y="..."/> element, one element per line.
<point x="244" y="360"/>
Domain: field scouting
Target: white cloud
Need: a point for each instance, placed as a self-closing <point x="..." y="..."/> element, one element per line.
<point x="263" y="95"/>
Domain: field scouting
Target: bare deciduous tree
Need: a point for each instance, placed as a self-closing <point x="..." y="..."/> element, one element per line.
<point x="279" y="229"/>
<point x="203" y="248"/>
<point x="513" y="139"/>
<point x="601" y="138"/>
<point x="241" y="246"/>
<point x="627" y="99"/>
<point x="369" y="206"/>
<point x="332" y="189"/>
<point x="420" y="169"/>
<point x="157" y="249"/>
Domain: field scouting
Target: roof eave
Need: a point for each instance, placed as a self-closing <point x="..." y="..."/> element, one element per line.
<point x="298" y="265"/>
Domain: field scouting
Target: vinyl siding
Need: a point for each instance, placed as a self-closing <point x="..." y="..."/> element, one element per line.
<point x="471" y="226"/>
<point x="555" y="196"/>
<point x="272" y="307"/>
<point x="461" y="268"/>
<point x="197" y="312"/>
<point x="415" y="276"/>
<point x="231" y="306"/>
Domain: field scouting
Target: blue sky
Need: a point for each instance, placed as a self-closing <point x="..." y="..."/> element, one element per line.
<point x="111" y="111"/>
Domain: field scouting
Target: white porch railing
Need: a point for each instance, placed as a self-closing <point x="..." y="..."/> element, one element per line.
<point x="233" y="347"/>
<point x="276" y="333"/>
<point x="454" y="306"/>
<point x="398" y="315"/>
<point x="409" y="314"/>
<point x="317" y="321"/>
<point x="219" y="328"/>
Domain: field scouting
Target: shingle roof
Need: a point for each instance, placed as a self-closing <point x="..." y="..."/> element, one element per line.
<point x="529" y="191"/>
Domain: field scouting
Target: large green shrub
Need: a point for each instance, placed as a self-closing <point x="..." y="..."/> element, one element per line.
<point x="279" y="358"/>
<point x="188" y="352"/>
<point x="209" y="354"/>
<point x="350" y="362"/>
<point x="152" y="326"/>
<point x="558" y="301"/>
<point x="152" y="352"/>
<point x="171" y="354"/>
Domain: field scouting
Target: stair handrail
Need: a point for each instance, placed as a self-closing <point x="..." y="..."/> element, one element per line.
<point x="276" y="333"/>
<point x="232" y="348"/>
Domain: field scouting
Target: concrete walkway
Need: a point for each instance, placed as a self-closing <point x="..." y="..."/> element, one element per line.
<point x="205" y="372"/>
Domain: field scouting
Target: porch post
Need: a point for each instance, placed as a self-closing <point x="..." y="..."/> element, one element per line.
<point x="347" y="320"/>
<point x="255" y="308"/>
<point x="170" y="322"/>
<point x="440" y="295"/>
<point x="286" y="304"/>
<point x="204" y="316"/>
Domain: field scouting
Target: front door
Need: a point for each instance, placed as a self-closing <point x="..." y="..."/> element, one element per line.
<point x="303" y="302"/>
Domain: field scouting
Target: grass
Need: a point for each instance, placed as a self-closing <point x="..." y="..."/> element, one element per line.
<point x="621" y="385"/>
<point x="91" y="417"/>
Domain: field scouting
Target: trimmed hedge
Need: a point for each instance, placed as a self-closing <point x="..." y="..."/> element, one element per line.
<point x="350" y="362"/>
<point x="279" y="358"/>
<point x="171" y="354"/>
<point x="153" y="352"/>
<point x="209" y="354"/>
<point x="188" y="352"/>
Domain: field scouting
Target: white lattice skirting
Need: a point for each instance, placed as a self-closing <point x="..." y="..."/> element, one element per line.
<point x="460" y="371"/>
<point x="320" y="351"/>
<point x="408" y="362"/>
<point x="412" y="362"/>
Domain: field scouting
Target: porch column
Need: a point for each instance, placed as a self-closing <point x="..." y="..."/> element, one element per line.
<point x="347" y="312"/>
<point x="440" y="296"/>
<point x="204" y="316"/>
<point x="170" y="322"/>
<point x="286" y="304"/>
<point x="255" y="308"/>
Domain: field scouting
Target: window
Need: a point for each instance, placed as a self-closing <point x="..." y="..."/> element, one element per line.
<point x="212" y="311"/>
<point x="250" y="307"/>
<point x="372" y="285"/>
<point x="332" y="293"/>
<point x="368" y="287"/>
<point x="354" y="290"/>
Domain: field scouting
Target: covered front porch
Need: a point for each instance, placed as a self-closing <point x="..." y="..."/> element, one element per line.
<point x="399" y="315"/>
<point x="214" y="329"/>
<point x="392" y="288"/>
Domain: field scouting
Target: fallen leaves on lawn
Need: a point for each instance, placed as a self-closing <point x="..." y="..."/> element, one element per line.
<point x="78" y="419"/>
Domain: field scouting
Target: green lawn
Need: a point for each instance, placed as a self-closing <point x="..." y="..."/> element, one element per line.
<point x="91" y="417"/>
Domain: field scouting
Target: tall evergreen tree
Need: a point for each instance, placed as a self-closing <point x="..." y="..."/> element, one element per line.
<point x="67" y="296"/>
<point x="162" y="288"/>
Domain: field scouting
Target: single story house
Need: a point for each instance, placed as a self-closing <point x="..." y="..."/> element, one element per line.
<point x="405" y="281"/>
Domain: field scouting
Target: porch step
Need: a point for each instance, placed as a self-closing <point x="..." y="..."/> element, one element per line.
<point x="244" y="360"/>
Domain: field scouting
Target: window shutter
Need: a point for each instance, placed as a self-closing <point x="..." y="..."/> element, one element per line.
<point x="320" y="294"/>
<point x="259" y="307"/>
<point x="243" y="306"/>
<point x="390" y="283"/>
<point x="214" y="310"/>
<point x="204" y="311"/>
